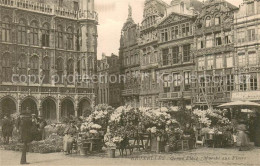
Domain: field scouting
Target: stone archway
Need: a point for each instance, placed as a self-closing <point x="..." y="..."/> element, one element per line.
<point x="84" y="108"/>
<point x="67" y="108"/>
<point x="49" y="109"/>
<point x="31" y="104"/>
<point x="8" y="106"/>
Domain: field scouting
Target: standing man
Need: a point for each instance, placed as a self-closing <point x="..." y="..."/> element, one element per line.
<point x="7" y="129"/>
<point x="25" y="127"/>
<point x="42" y="124"/>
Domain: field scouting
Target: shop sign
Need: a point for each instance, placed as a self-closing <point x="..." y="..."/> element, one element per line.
<point x="248" y="96"/>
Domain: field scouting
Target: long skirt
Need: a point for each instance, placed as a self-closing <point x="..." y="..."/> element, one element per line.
<point x="243" y="140"/>
<point x="67" y="143"/>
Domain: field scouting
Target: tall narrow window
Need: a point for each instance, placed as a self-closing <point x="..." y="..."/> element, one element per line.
<point x="230" y="83"/>
<point x="243" y="79"/>
<point x="229" y="60"/>
<point x="22" y="64"/>
<point x="253" y="59"/>
<point x="164" y="35"/>
<point x="183" y="30"/>
<point x="217" y="20"/>
<point x="59" y="37"/>
<point x="208" y="21"/>
<point x="175" y="32"/>
<point x="219" y="62"/>
<point x="22" y="34"/>
<point x="177" y="82"/>
<point x="34" y="34"/>
<point x="209" y="42"/>
<point x="187" y="80"/>
<point x="242" y="59"/>
<point x="60" y="3"/>
<point x="218" y="39"/>
<point x="46" y="36"/>
<point x="7" y="67"/>
<point x="210" y="62"/>
<point x="70" y="39"/>
<point x="250" y="9"/>
<point x="241" y="36"/>
<point x="46" y="70"/>
<point x="186" y="53"/>
<point x="175" y="55"/>
<point x="34" y="68"/>
<point x="70" y="71"/>
<point x="166" y="83"/>
<point x="253" y="82"/>
<point x="251" y="35"/>
<point x="165" y="54"/>
<point x="76" y="6"/>
<point x="6" y="30"/>
<point x="201" y="63"/>
<point x="60" y="68"/>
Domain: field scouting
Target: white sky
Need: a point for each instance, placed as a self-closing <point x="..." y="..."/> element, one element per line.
<point x="112" y="16"/>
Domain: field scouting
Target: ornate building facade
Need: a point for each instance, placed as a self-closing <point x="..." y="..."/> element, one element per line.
<point x="247" y="52"/>
<point x="176" y="47"/>
<point x="215" y="53"/>
<point x="109" y="86"/>
<point x="130" y="63"/>
<point x="42" y="42"/>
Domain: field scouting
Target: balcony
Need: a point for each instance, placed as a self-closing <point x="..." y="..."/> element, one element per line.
<point x="169" y="96"/>
<point x="50" y="10"/>
<point x="37" y="89"/>
<point x="215" y="49"/>
<point x="130" y="92"/>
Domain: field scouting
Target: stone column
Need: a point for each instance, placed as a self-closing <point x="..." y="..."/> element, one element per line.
<point x="58" y="110"/>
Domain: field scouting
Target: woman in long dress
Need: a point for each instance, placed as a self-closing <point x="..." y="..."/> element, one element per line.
<point x="68" y="139"/>
<point x="242" y="137"/>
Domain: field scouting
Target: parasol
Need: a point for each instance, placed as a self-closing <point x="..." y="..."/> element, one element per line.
<point x="239" y="104"/>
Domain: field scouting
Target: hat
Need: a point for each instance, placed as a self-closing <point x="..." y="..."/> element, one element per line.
<point x="33" y="115"/>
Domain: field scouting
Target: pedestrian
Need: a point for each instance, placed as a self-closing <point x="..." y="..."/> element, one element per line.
<point x="25" y="129"/>
<point x="35" y="132"/>
<point x="68" y="139"/>
<point x="42" y="123"/>
<point x="7" y="129"/>
<point x="242" y="137"/>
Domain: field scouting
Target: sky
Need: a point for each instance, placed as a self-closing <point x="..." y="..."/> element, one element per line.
<point x="113" y="15"/>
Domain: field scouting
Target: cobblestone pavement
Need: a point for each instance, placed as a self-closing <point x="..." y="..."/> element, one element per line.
<point x="196" y="157"/>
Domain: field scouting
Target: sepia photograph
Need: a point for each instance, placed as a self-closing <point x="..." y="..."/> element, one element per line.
<point x="130" y="82"/>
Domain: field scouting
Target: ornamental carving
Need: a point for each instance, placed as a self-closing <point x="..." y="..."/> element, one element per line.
<point x="7" y="12"/>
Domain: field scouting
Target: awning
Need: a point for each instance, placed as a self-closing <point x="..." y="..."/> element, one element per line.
<point x="242" y="104"/>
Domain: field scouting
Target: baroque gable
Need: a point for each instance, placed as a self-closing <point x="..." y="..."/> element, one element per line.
<point x="174" y="18"/>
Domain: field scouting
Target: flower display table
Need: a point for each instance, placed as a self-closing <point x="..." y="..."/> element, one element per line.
<point x="183" y="145"/>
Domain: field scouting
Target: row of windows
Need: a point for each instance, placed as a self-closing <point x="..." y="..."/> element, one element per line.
<point x="248" y="35"/>
<point x="176" y="55"/>
<point x="176" y="79"/>
<point x="131" y="60"/>
<point x="214" y="40"/>
<point x="215" y="62"/>
<point x="176" y="32"/>
<point x="33" y="66"/>
<point x="32" y="33"/>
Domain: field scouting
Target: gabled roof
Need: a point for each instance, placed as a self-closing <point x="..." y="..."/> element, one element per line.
<point x="172" y="15"/>
<point x="159" y="1"/>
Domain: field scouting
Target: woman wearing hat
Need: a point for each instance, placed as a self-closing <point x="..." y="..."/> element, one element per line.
<point x="242" y="137"/>
<point x="68" y="139"/>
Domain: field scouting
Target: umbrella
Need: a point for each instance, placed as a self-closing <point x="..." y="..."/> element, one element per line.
<point x="239" y="104"/>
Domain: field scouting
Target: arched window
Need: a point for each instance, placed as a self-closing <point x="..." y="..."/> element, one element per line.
<point x="46" y="70"/>
<point x="60" y="68"/>
<point x="208" y="21"/>
<point x="6" y="30"/>
<point x="46" y="36"/>
<point x="70" y="71"/>
<point x="69" y="39"/>
<point x="59" y="37"/>
<point x="34" y="70"/>
<point x="6" y="67"/>
<point x="34" y="34"/>
<point x="22" y="37"/>
<point x="22" y="64"/>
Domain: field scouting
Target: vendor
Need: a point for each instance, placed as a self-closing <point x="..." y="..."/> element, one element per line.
<point x="189" y="131"/>
<point x="242" y="137"/>
<point x="70" y="132"/>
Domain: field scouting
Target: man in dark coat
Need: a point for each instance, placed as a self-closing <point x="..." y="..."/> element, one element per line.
<point x="7" y="129"/>
<point x="42" y="123"/>
<point x="25" y="127"/>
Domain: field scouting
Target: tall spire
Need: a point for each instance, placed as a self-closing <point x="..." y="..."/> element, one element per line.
<point x="129" y="12"/>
